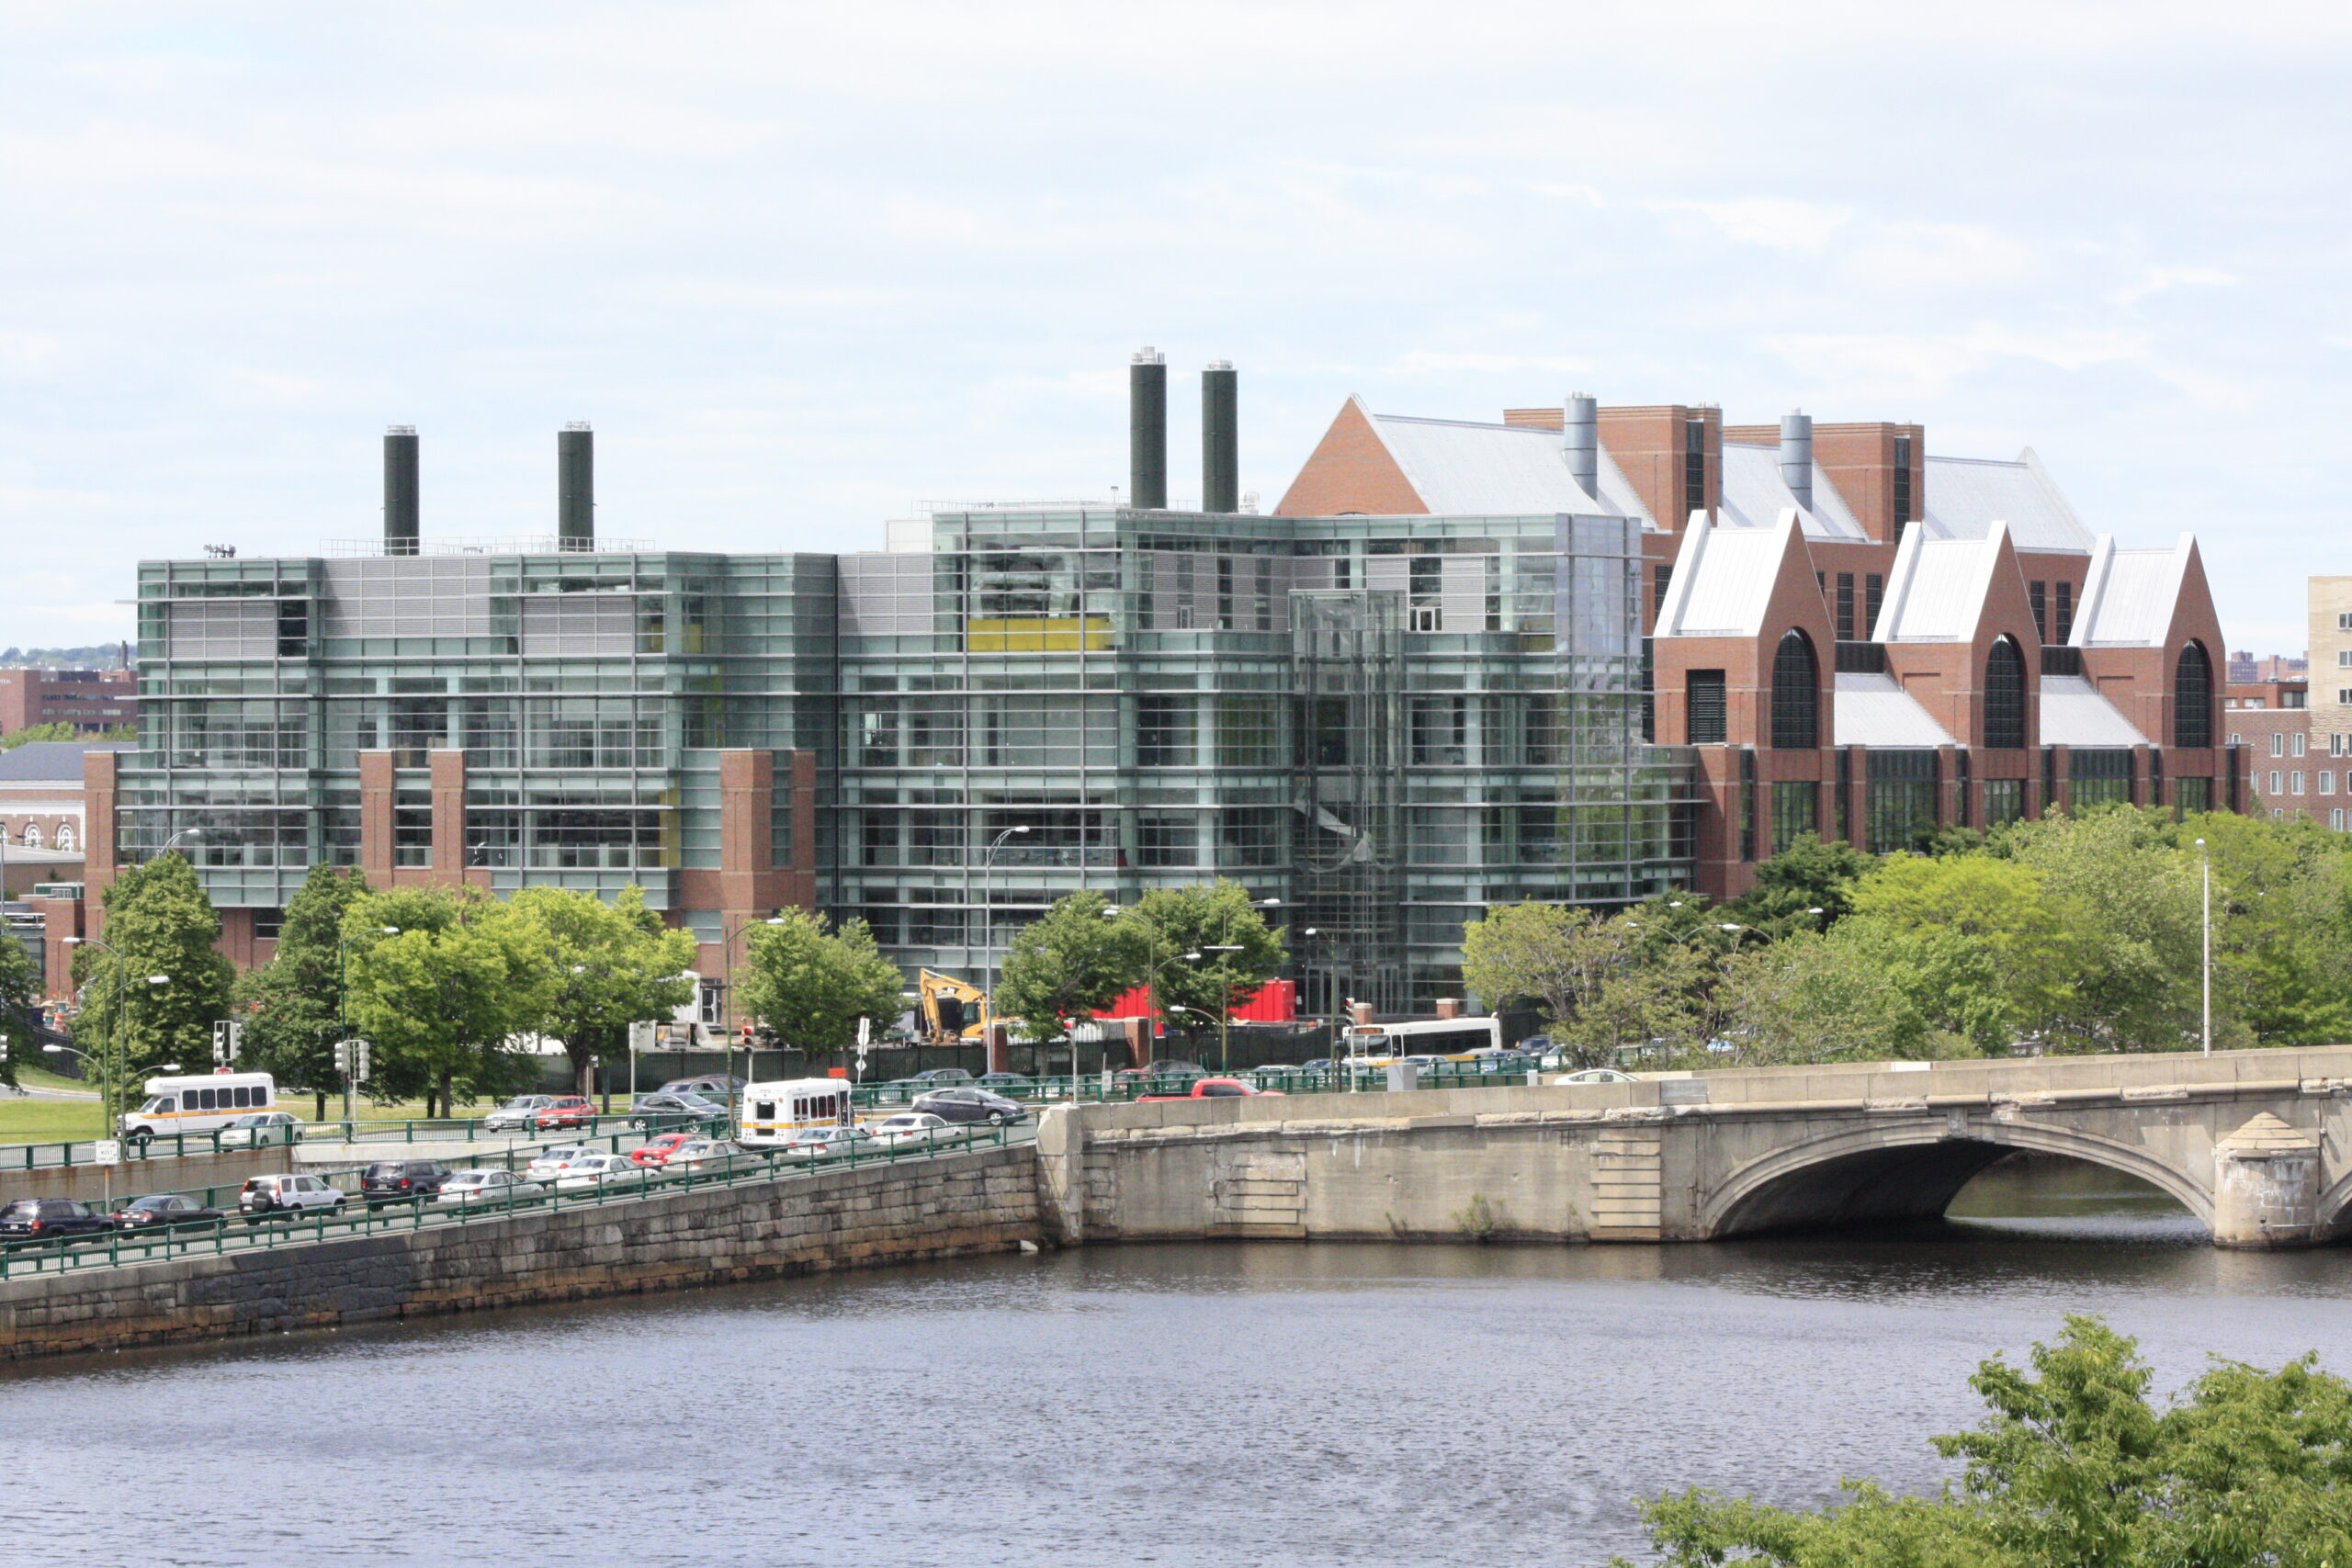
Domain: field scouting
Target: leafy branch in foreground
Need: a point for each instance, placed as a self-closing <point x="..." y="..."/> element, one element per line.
<point x="2076" y="1468"/>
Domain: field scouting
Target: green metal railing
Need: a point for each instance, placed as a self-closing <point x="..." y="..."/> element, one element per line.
<point x="225" y="1140"/>
<point x="311" y="1227"/>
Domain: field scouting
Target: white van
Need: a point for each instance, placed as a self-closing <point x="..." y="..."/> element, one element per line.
<point x="198" y="1105"/>
<point x="773" y="1112"/>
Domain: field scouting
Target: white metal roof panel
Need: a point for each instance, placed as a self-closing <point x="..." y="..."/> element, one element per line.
<point x="2128" y="596"/>
<point x="2074" y="713"/>
<point x="1722" y="581"/>
<point x="1967" y="495"/>
<point x="1874" y="710"/>
<point x="1939" y="590"/>
<point x="1754" y="494"/>
<point x="1461" y="468"/>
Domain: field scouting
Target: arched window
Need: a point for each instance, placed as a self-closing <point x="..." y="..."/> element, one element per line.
<point x="32" y="835"/>
<point x="1796" y="696"/>
<point x="66" y="837"/>
<point x="2005" y="698"/>
<point x="2192" y="698"/>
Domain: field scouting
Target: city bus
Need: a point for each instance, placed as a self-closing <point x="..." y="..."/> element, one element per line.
<point x="1377" y="1045"/>
<point x="194" y="1104"/>
<point x="773" y="1112"/>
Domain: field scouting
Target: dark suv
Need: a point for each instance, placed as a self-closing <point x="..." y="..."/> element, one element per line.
<point x="50" y="1219"/>
<point x="389" y="1180"/>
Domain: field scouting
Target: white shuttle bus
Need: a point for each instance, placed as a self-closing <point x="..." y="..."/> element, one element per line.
<point x="773" y="1112"/>
<point x="1457" y="1038"/>
<point x="200" y="1104"/>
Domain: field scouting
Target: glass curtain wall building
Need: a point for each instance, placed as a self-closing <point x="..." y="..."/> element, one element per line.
<point x="1387" y="723"/>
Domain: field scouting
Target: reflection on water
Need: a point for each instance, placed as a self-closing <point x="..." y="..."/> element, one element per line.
<point x="1240" y="1403"/>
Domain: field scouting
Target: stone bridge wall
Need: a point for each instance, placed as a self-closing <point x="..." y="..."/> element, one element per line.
<point x="984" y="1201"/>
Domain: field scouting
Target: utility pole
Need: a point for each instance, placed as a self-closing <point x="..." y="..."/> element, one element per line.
<point x="2207" y="966"/>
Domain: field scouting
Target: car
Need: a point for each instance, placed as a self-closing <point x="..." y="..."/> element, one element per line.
<point x="262" y="1127"/>
<point x="393" y="1180"/>
<point x="1216" y="1089"/>
<point x="262" y="1196"/>
<point x="552" y="1163"/>
<point x="825" y="1143"/>
<point x="1596" y="1075"/>
<point x="567" y="1110"/>
<point x="1176" y="1070"/>
<point x="164" y="1211"/>
<point x="50" y="1219"/>
<point x="600" y="1170"/>
<point x="933" y="1078"/>
<point x="1011" y="1084"/>
<point x="698" y="1153"/>
<point x="970" y="1105"/>
<point x="710" y="1086"/>
<point x="1505" y="1063"/>
<point x="911" y="1127"/>
<point x="1277" y="1070"/>
<point x="668" y="1109"/>
<point x="516" y="1114"/>
<point x="486" y="1187"/>
<point x="657" y="1151"/>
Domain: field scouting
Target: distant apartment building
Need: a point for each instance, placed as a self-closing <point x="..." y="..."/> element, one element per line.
<point x="88" y="700"/>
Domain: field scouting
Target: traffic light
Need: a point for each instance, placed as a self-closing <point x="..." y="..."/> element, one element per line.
<point x="747" y="1034"/>
<point x="227" y="1034"/>
<point x="351" y="1060"/>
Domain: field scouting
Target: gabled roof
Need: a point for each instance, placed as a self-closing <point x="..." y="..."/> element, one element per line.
<point x="1936" y="590"/>
<point x="1724" y="579"/>
<point x="1460" y="468"/>
<point x="1967" y="495"/>
<point x="1754" y="495"/>
<point x="2128" y="596"/>
<point x="2074" y="713"/>
<point x="53" y="761"/>
<point x="1874" y="710"/>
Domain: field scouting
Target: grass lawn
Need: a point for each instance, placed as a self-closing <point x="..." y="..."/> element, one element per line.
<point x="37" y="1121"/>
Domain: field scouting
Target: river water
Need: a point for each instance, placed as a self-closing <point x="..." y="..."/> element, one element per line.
<point x="1239" y="1404"/>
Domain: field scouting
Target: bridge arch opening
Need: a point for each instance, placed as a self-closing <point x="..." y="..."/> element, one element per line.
<point x="1878" y="1180"/>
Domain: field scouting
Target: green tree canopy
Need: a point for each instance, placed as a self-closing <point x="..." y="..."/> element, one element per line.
<point x="293" y="1003"/>
<point x="614" y="965"/>
<point x="811" y="983"/>
<point x="1069" y="964"/>
<point x="2076" y="1467"/>
<point x="1809" y="874"/>
<point x="442" y="995"/>
<point x="1555" y="956"/>
<point x="1239" y="952"/>
<point x="158" y="923"/>
<point x="20" y="988"/>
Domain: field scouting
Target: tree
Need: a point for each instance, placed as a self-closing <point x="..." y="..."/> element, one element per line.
<point x="2134" y="925"/>
<point x="158" y="923"/>
<point x="811" y="983"/>
<point x="613" y="964"/>
<point x="21" y="988"/>
<point x="1827" y="998"/>
<point x="1239" y="952"/>
<point x="1984" y="953"/>
<point x="1070" y="965"/>
<point x="1809" y="874"/>
<point x="1556" y="957"/>
<point x="2074" y="1467"/>
<point x="443" y="996"/>
<point x="293" y="1004"/>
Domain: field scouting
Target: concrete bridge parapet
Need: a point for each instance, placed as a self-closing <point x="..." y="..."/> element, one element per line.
<point x="2242" y="1139"/>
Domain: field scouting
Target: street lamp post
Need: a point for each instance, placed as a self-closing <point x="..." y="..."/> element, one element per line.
<point x="1225" y="973"/>
<point x="2205" y="966"/>
<point x="342" y="1010"/>
<point x="988" y="936"/>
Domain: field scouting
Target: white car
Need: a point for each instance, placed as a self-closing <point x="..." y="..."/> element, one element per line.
<point x="712" y="1153"/>
<point x="486" y="1186"/>
<point x="1596" y="1075"/>
<point x="816" y="1143"/>
<point x="552" y="1163"/>
<point x="911" y="1127"/>
<point x="261" y="1127"/>
<point x="599" y="1170"/>
<point x="516" y="1114"/>
<point x="264" y="1195"/>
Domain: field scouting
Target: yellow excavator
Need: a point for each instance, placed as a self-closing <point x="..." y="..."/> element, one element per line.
<point x="953" y="1013"/>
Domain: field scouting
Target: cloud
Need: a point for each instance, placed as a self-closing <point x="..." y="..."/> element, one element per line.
<point x="1931" y="364"/>
<point x="2157" y="280"/>
<point x="1772" y="223"/>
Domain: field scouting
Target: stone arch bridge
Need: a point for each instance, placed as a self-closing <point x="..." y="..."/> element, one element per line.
<point x="2254" y="1143"/>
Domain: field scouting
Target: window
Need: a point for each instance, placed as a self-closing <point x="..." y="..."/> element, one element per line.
<point x="2295" y="782"/>
<point x="1663" y="579"/>
<point x="2004" y="801"/>
<point x="1903" y="785"/>
<point x="2278" y="744"/>
<point x="1845" y="606"/>
<point x="2326" y="783"/>
<point x="2335" y="745"/>
<point x="2297" y="744"/>
<point x="1796" y="696"/>
<point x="1902" y="480"/>
<point x="2343" y="620"/>
<point x="1873" y="595"/>
<point x="2343" y="696"/>
<point x="2274" y="786"/>
<point x="2335" y="818"/>
<point x="1796" y="811"/>
<point x="2067" y="614"/>
<point x="1164" y="732"/>
<point x="2005" y="698"/>
<point x="1709" y="719"/>
<point x="1440" y="731"/>
<point x="2344" y="658"/>
<point x="2098" y="776"/>
<point x="2038" y="594"/>
<point x="1694" y="465"/>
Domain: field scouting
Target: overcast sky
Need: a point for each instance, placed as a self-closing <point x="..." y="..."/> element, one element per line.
<point x="803" y="266"/>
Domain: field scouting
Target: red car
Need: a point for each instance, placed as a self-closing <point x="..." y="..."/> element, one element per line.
<point x="659" y="1150"/>
<point x="571" y="1110"/>
<point x="1215" y="1088"/>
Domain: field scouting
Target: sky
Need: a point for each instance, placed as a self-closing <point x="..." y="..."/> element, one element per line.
<point x="804" y="266"/>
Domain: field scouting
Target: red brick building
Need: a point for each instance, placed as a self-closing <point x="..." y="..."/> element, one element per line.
<point x="89" y="699"/>
<point x="1853" y="636"/>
